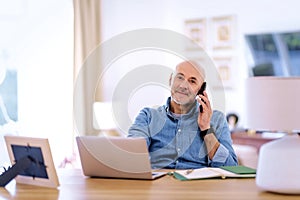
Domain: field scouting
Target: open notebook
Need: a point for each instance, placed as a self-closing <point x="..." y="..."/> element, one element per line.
<point x="115" y="157"/>
<point x="214" y="172"/>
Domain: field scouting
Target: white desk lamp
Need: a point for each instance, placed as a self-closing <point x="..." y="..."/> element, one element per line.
<point x="273" y="103"/>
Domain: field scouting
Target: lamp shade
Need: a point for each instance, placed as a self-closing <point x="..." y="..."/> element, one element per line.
<point x="273" y="103"/>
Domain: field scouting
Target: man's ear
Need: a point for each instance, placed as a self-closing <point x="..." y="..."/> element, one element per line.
<point x="170" y="79"/>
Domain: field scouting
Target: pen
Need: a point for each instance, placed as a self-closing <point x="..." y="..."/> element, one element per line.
<point x="189" y="171"/>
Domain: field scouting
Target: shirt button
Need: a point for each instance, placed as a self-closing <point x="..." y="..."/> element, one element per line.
<point x="178" y="149"/>
<point x="179" y="130"/>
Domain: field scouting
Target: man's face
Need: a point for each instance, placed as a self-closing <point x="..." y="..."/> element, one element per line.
<point x="185" y="83"/>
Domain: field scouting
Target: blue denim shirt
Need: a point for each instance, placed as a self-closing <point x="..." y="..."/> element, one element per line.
<point x="174" y="141"/>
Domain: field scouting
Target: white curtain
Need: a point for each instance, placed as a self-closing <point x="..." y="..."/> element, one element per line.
<point x="87" y="36"/>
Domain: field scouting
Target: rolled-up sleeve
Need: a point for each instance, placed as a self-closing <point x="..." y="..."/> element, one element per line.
<point x="225" y="155"/>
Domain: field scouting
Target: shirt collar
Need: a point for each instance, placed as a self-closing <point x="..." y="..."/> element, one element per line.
<point x="191" y="112"/>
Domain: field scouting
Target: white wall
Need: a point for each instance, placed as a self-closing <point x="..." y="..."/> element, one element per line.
<point x="252" y="16"/>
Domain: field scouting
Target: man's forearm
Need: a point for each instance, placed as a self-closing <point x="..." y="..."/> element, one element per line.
<point x="212" y="144"/>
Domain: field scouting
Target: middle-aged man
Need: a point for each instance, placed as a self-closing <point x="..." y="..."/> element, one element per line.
<point x="180" y="134"/>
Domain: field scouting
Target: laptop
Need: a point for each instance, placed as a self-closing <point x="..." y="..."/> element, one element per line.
<point x="115" y="157"/>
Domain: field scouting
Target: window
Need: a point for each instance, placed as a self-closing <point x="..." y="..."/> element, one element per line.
<point x="292" y="41"/>
<point x="36" y="72"/>
<point x="275" y="54"/>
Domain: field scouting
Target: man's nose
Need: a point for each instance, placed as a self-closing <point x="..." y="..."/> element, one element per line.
<point x="184" y="84"/>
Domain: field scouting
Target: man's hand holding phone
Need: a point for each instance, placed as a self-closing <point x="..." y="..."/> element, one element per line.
<point x="201" y="90"/>
<point x="212" y="143"/>
<point x="205" y="108"/>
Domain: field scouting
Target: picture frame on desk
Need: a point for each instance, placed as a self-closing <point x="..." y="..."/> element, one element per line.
<point x="35" y="155"/>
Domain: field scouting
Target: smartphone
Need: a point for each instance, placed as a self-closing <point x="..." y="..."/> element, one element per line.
<point x="201" y="90"/>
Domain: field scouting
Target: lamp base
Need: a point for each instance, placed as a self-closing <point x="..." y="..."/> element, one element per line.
<point x="278" y="166"/>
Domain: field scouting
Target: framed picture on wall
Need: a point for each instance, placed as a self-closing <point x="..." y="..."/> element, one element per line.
<point x="223" y="32"/>
<point x="196" y="30"/>
<point x="224" y="66"/>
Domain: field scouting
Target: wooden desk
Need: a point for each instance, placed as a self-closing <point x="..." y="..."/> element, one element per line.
<point x="75" y="186"/>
